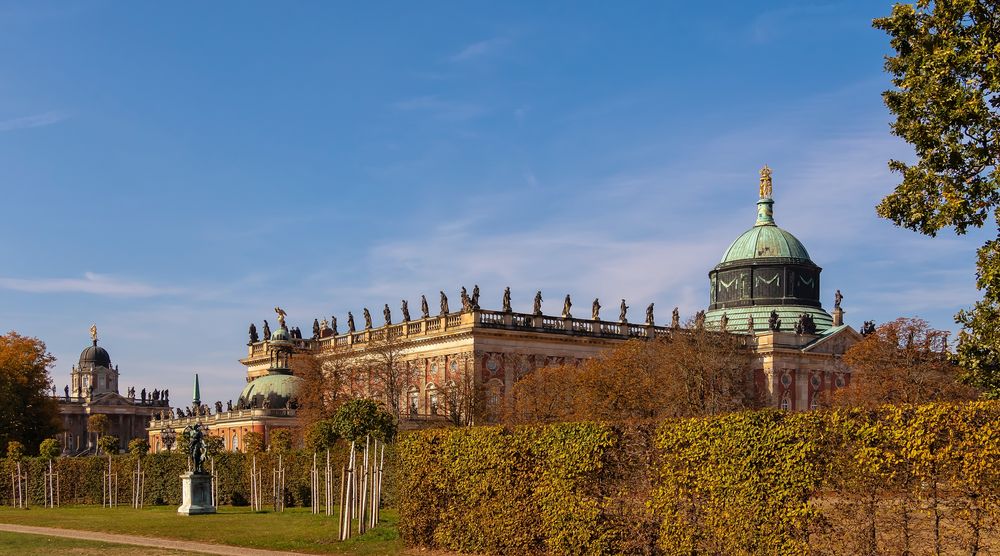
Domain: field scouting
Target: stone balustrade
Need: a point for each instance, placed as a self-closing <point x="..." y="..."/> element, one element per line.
<point x="445" y="324"/>
<point x="219" y="417"/>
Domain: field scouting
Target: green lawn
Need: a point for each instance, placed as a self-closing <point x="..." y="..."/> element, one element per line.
<point x="16" y="543"/>
<point x="296" y="529"/>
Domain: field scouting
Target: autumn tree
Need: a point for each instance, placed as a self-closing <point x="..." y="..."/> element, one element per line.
<point x="692" y="372"/>
<point x="27" y="412"/>
<point x="322" y="390"/>
<point x="98" y="424"/>
<point x="903" y="361"/>
<point x="945" y="100"/>
<point x="546" y="395"/>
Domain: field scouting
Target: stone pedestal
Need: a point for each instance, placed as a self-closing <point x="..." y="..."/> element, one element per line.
<point x="196" y="489"/>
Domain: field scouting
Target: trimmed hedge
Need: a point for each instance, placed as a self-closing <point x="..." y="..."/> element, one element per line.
<point x="81" y="479"/>
<point x="765" y="482"/>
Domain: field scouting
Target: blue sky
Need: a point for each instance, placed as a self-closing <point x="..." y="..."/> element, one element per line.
<point x="173" y="171"/>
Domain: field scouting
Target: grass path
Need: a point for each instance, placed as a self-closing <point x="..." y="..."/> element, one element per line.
<point x="109" y="541"/>
<point x="295" y="530"/>
<point x="42" y="545"/>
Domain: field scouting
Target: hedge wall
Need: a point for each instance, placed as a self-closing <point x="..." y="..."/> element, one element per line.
<point x="895" y="480"/>
<point x="81" y="479"/>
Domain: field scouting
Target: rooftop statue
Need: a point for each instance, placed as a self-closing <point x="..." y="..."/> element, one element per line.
<point x="444" y="304"/>
<point x="281" y="316"/>
<point x="425" y="311"/>
<point x="387" y="314"/>
<point x="699" y="320"/>
<point x="750" y="324"/>
<point x="675" y="318"/>
<point x="868" y="328"/>
<point x="622" y="312"/>
<point x="475" y="297"/>
<point x="466" y="302"/>
<point x="649" y="315"/>
<point x="267" y="331"/>
<point x="773" y="322"/>
<point x="406" y="311"/>
<point x="765" y="182"/>
<point x="595" y="310"/>
<point x="350" y="323"/>
<point x="506" y="300"/>
<point x="93" y="332"/>
<point x="724" y="322"/>
<point x="315" y="329"/>
<point x="324" y="327"/>
<point x="567" y="305"/>
<point x="333" y="325"/>
<point x="368" y="318"/>
<point x="253" y="334"/>
<point x="537" y="309"/>
<point x="837" y="298"/>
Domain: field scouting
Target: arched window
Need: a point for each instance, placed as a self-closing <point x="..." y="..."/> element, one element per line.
<point x="815" y="403"/>
<point x="412" y="400"/>
<point x="786" y="404"/>
<point x="433" y="400"/>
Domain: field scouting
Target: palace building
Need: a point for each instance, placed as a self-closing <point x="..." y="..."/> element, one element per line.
<point x="93" y="390"/>
<point x="766" y="288"/>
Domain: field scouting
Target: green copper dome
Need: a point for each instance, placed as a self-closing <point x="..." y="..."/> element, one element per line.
<point x="277" y="388"/>
<point x="765" y="241"/>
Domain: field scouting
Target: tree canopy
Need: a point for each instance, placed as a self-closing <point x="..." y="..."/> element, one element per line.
<point x="694" y="372"/>
<point x="946" y="74"/>
<point x="28" y="413"/>
<point x="903" y="361"/>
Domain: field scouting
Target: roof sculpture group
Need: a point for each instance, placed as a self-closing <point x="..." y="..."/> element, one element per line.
<point x="470" y="302"/>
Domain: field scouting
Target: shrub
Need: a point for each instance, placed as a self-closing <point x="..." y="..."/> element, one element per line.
<point x="759" y="482"/>
<point x="321" y="435"/>
<point x="138" y="447"/>
<point x="50" y="448"/>
<point x="214" y="445"/>
<point x="108" y="444"/>
<point x="15" y="450"/>
<point x="253" y="442"/>
<point x="281" y="441"/>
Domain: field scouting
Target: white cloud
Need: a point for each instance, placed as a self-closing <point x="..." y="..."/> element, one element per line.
<point x="91" y="283"/>
<point x="480" y="49"/>
<point x="443" y="109"/>
<point x="26" y="122"/>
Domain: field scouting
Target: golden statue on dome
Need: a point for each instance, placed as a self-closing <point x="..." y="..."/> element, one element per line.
<point x="765" y="182"/>
<point x="281" y="316"/>
<point x="93" y="332"/>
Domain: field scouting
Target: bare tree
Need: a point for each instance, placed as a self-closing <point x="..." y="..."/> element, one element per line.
<point x="323" y="390"/>
<point x="465" y="402"/>
<point x="387" y="374"/>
